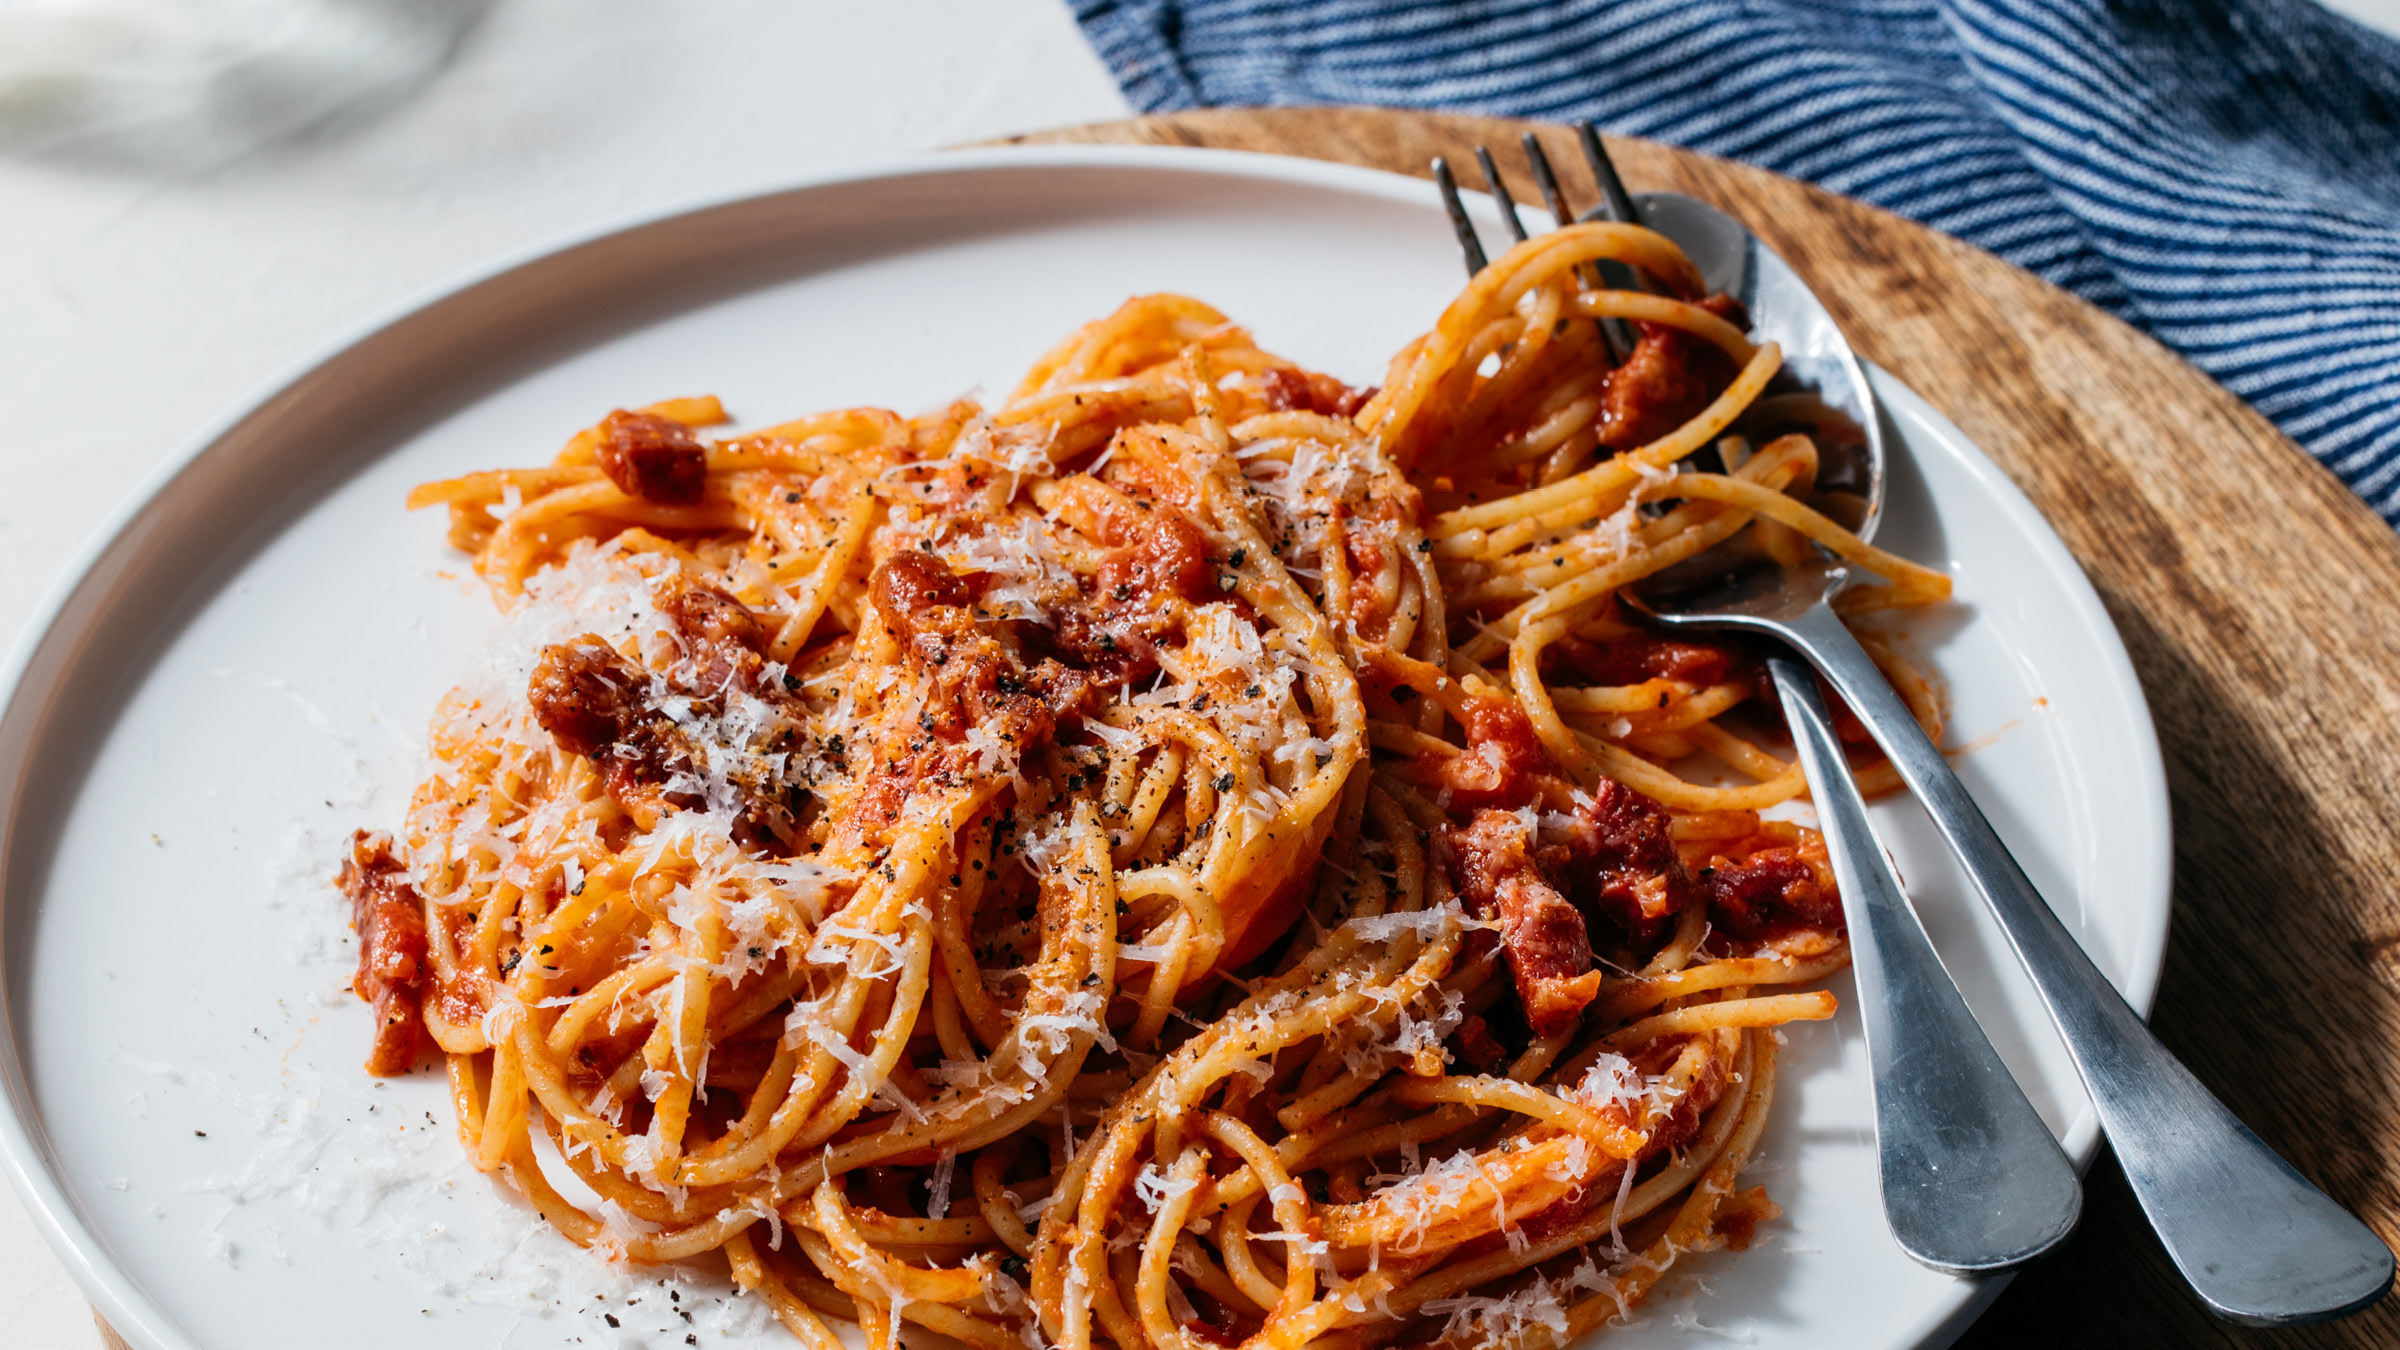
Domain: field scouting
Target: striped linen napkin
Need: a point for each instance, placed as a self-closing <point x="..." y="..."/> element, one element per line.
<point x="2224" y="174"/>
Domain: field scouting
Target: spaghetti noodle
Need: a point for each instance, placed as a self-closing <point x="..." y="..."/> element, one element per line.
<point x="1192" y="856"/>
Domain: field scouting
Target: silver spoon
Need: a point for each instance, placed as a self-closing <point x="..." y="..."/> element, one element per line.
<point x="2254" y="1238"/>
<point x="1973" y="1182"/>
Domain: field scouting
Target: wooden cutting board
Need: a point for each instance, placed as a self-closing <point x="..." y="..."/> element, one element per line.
<point x="2260" y="600"/>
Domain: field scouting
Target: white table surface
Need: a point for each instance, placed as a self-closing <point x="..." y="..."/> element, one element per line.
<point x="138" y="304"/>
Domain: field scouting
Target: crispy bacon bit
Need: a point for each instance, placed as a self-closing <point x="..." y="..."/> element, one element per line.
<point x="1665" y="382"/>
<point x="911" y="590"/>
<point x="654" y="458"/>
<point x="1624" y="866"/>
<point x="1771" y="888"/>
<point x="1618" y="846"/>
<point x="1310" y="391"/>
<point x="602" y="706"/>
<point x="724" y="639"/>
<point x="1502" y="757"/>
<point x="1654" y="392"/>
<point x="982" y="684"/>
<point x="1491" y="863"/>
<point x="587" y="696"/>
<point x="1635" y="658"/>
<point x="970" y="664"/>
<point x="390" y="922"/>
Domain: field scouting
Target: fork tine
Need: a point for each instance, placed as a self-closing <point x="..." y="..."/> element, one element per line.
<point x="1547" y="181"/>
<point x="1617" y="204"/>
<point x="1614" y="199"/>
<point x="1613" y="334"/>
<point x="1508" y="204"/>
<point x="1468" y="243"/>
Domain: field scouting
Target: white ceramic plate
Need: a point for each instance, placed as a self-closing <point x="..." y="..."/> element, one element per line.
<point x="241" y="673"/>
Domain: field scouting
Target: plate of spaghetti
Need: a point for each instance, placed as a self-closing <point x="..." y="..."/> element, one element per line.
<point x="622" y="807"/>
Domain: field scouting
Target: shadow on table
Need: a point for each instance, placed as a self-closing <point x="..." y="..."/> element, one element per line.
<point x="2269" y="986"/>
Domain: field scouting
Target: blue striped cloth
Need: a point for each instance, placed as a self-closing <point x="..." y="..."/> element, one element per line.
<point x="2224" y="175"/>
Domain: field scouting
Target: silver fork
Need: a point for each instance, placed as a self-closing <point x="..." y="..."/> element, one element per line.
<point x="2255" y="1239"/>
<point x="1972" y="1181"/>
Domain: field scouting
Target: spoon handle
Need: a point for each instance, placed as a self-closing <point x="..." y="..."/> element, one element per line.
<point x="1972" y="1181"/>
<point x="2257" y="1242"/>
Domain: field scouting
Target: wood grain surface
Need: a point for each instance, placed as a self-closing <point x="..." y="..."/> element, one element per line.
<point x="2257" y="596"/>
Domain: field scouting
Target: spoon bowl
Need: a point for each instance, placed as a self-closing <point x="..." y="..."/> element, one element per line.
<point x="1822" y="388"/>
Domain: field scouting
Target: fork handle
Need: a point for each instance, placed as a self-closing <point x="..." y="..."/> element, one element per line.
<point x="2255" y="1239"/>
<point x="1972" y="1181"/>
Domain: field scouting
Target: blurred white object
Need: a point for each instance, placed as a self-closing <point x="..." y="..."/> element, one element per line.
<point x="2382" y="15"/>
<point x="197" y="82"/>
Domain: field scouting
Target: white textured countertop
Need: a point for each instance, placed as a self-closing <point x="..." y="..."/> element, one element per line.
<point x="139" y="302"/>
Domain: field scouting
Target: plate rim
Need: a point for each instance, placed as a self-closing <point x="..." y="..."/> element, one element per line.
<point x="2149" y="960"/>
<point x="42" y="652"/>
